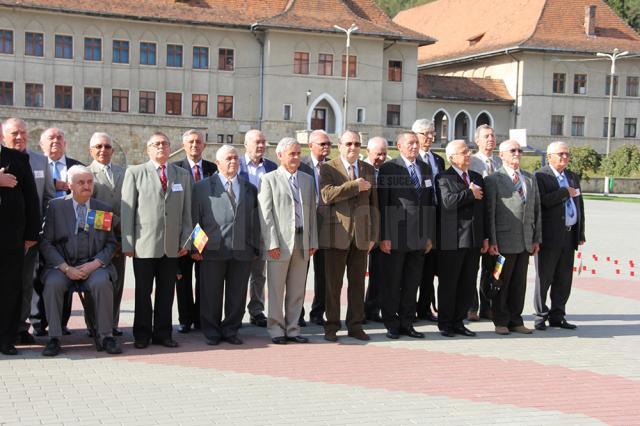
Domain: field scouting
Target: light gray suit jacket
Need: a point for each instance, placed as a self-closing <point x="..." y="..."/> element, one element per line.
<point x="154" y="223"/>
<point x="59" y="242"/>
<point x="513" y="225"/>
<point x="43" y="178"/>
<point x="277" y="213"/>
<point x="478" y="165"/>
<point x="102" y="188"/>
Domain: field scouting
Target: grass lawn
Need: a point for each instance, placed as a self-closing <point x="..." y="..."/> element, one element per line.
<point x="611" y="198"/>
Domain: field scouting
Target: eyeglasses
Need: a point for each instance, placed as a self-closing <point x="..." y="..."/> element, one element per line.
<point x="350" y="144"/>
<point x="514" y="150"/>
<point x="426" y="134"/>
<point x="100" y="146"/>
<point x="158" y="145"/>
<point x="465" y="152"/>
<point x="562" y="154"/>
<point x="324" y="143"/>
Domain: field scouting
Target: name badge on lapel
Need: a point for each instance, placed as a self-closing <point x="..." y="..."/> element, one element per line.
<point x="176" y="187"/>
<point x="38" y="174"/>
<point x="427" y="183"/>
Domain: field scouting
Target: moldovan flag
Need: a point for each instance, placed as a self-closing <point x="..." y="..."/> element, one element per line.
<point x="100" y="219"/>
<point x="199" y="238"/>
<point x="498" y="269"/>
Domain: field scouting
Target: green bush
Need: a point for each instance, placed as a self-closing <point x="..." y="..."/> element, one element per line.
<point x="623" y="162"/>
<point x="584" y="160"/>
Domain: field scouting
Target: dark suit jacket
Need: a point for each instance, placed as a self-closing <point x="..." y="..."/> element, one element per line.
<point x="269" y="166"/>
<point x="232" y="235"/>
<point x="552" y="200"/>
<point x="438" y="159"/>
<point x="406" y="219"/>
<point x="70" y="162"/>
<point x="461" y="218"/>
<point x="19" y="206"/>
<point x="208" y="168"/>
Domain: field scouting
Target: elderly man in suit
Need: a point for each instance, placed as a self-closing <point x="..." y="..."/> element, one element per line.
<point x="461" y="238"/>
<point x="15" y="135"/>
<point x="319" y="149"/>
<point x="426" y="133"/>
<point x="562" y="233"/>
<point x="193" y="143"/>
<point x="254" y="165"/>
<point x="349" y="229"/>
<point x="512" y="206"/>
<point x="19" y="224"/>
<point x="156" y="225"/>
<point x="407" y="226"/>
<point x="289" y="233"/>
<point x="226" y="207"/>
<point x="76" y="250"/>
<point x="107" y="187"/>
<point x="376" y="156"/>
<point x="485" y="163"/>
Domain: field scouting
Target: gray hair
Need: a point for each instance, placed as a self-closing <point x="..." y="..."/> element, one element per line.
<point x="222" y="151"/>
<point x="190" y="132"/>
<point x="553" y="146"/>
<point x="250" y="133"/>
<point x="77" y="170"/>
<point x="285" y="143"/>
<point x="377" y="140"/>
<point x="44" y="138"/>
<point x="97" y="137"/>
<point x="10" y="120"/>
<point x="481" y="127"/>
<point x="451" y="147"/>
<point x="158" y="134"/>
<point x="503" y="145"/>
<point x="421" y="125"/>
<point x="347" y="132"/>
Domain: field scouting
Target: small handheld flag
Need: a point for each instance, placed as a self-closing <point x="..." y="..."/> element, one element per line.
<point x="199" y="238"/>
<point x="498" y="269"/>
<point x="99" y="219"/>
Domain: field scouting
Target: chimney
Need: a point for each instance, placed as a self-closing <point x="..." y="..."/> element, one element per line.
<point x="590" y="20"/>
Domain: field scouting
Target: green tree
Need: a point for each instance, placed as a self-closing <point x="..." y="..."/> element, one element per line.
<point x="392" y="7"/>
<point x="629" y="10"/>
<point x="624" y="161"/>
<point x="584" y="159"/>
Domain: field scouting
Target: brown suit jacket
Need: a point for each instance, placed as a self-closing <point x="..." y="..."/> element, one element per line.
<point x="345" y="211"/>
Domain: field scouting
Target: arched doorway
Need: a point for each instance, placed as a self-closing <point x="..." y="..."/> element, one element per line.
<point x="483" y="118"/>
<point x="324" y="113"/>
<point x="441" y="123"/>
<point x="461" y="126"/>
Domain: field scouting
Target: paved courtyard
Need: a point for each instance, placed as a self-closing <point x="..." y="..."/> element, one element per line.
<point x="587" y="376"/>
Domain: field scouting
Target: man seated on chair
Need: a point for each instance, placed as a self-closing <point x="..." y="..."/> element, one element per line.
<point x="77" y="246"/>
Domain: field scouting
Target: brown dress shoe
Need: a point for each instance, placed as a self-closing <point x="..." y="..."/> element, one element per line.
<point x="502" y="330"/>
<point x="473" y="316"/>
<point x="330" y="336"/>
<point x="359" y="335"/>
<point x="521" y="329"/>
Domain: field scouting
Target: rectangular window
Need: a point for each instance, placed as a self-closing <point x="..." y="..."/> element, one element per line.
<point x="393" y="115"/>
<point x="174" y="103"/>
<point x="558" y="82"/>
<point x="325" y="64"/>
<point x="174" y="55"/>
<point x="147" y="102"/>
<point x="225" y="106"/>
<point x="630" y="127"/>
<point x="6" y="41"/>
<point x="200" y="58"/>
<point x="33" y="95"/>
<point x="301" y="63"/>
<point x="352" y="65"/>
<point x="34" y="44"/>
<point x="64" y="47"/>
<point x="199" y="105"/>
<point x="230" y="139"/>
<point x="63" y="97"/>
<point x="225" y="59"/>
<point x="632" y="86"/>
<point x="120" y="52"/>
<point x="360" y="115"/>
<point x="577" y="125"/>
<point x="395" y="71"/>
<point x="613" y="127"/>
<point x="147" y="53"/>
<point x="92" y="49"/>
<point x="92" y="97"/>
<point x="608" y="85"/>
<point x="557" y="125"/>
<point x="286" y="112"/>
<point x="6" y="93"/>
<point x="220" y="138"/>
<point x="119" y="100"/>
<point x="580" y="84"/>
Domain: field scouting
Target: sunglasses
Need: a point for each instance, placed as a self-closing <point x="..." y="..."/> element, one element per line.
<point x="324" y="143"/>
<point x="350" y="144"/>
<point x="100" y="146"/>
<point x="514" y="150"/>
<point x="562" y="154"/>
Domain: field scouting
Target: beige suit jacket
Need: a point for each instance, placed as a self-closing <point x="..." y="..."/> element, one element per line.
<point x="155" y="224"/>
<point x="102" y="188"/>
<point x="277" y="213"/>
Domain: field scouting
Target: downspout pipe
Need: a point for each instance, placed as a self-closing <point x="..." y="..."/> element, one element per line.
<point x="515" y="109"/>
<point x="261" y="90"/>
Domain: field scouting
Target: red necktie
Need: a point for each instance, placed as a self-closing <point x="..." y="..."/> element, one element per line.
<point x="518" y="185"/>
<point x="163" y="178"/>
<point x="465" y="178"/>
<point x="196" y="174"/>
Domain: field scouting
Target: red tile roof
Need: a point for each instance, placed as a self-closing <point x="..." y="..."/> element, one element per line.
<point x="468" y="28"/>
<point x="306" y="15"/>
<point x="462" y="89"/>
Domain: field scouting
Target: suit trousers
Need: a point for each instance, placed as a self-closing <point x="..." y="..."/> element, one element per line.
<point x="223" y="280"/>
<point x="100" y="289"/>
<point x="318" y="306"/>
<point x="257" y="279"/>
<point x="456" y="284"/>
<point x="481" y="303"/>
<point x="355" y="262"/>
<point x="118" y="286"/>
<point x="402" y="278"/>
<point x="28" y="275"/>
<point x="11" y="263"/>
<point x="188" y="304"/>
<point x="376" y="272"/>
<point x="286" y="281"/>
<point x="554" y="267"/>
<point x="427" y="297"/>
<point x="153" y="321"/>
<point x="507" y="306"/>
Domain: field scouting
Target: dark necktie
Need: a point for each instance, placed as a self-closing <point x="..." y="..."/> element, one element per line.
<point x="414" y="179"/>
<point x="517" y="185"/>
<point x="232" y="195"/>
<point x="293" y="183"/>
<point x="163" y="177"/>
<point x="196" y="173"/>
<point x="352" y="172"/>
<point x="465" y="178"/>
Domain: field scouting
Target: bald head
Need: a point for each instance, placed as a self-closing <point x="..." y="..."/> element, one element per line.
<point x="255" y="145"/>
<point x="14" y="133"/>
<point x="377" y="151"/>
<point x="319" y="144"/>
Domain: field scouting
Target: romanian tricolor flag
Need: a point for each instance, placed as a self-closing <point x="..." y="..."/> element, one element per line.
<point x="498" y="269"/>
<point x="199" y="238"/>
<point x="100" y="220"/>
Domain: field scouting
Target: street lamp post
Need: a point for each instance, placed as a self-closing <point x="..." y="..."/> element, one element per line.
<point x="348" y="32"/>
<point x="612" y="56"/>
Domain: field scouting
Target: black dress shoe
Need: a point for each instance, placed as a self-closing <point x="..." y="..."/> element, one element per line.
<point x="38" y="330"/>
<point x="464" y="331"/>
<point x="393" y="334"/>
<point x="447" y="332"/>
<point x="184" y="328"/>
<point x="563" y="324"/>
<point x="111" y="346"/>
<point x="258" y="320"/>
<point x="411" y="332"/>
<point x="374" y="317"/>
<point x="280" y="340"/>
<point x="116" y="332"/>
<point x="540" y="326"/>
<point x="302" y="322"/>
<point x="52" y="348"/>
<point x="8" y="349"/>
<point x="214" y="341"/>
<point x="66" y="331"/>
<point x="89" y="333"/>
<point x="427" y="317"/>
<point x="141" y="343"/>
<point x="24" y="338"/>
<point x="297" y="339"/>
<point x="316" y="320"/>
<point x="234" y="340"/>
<point x="167" y="343"/>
